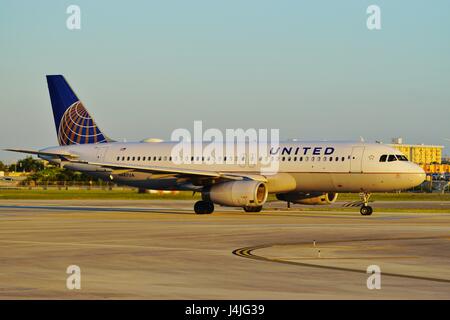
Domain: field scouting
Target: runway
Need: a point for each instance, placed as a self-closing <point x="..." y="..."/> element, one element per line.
<point x="161" y="250"/>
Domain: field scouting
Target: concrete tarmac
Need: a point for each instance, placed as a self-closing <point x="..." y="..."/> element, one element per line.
<point x="162" y="250"/>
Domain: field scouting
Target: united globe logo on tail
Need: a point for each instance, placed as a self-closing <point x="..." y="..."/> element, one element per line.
<point x="73" y="123"/>
<point x="78" y="127"/>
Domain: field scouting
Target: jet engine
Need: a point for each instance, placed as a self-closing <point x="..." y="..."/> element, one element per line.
<point x="238" y="193"/>
<point x="313" y="198"/>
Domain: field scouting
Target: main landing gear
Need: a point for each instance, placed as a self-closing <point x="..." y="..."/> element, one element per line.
<point x="253" y="209"/>
<point x="365" y="210"/>
<point x="207" y="207"/>
<point x="203" y="207"/>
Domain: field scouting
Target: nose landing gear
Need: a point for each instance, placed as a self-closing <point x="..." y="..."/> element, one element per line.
<point x="365" y="210"/>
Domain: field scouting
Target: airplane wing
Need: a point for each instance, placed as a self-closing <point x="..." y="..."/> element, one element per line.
<point x="176" y="171"/>
<point x="215" y="175"/>
<point x="43" y="153"/>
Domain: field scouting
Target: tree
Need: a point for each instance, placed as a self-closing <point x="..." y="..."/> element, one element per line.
<point x="53" y="174"/>
<point x="3" y="167"/>
<point x="29" y="165"/>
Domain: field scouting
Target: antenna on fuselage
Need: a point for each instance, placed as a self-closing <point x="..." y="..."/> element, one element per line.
<point x="361" y="139"/>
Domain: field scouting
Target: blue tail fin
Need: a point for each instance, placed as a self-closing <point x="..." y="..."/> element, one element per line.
<point x="73" y="123"/>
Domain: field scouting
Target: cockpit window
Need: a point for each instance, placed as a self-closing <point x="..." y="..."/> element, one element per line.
<point x="392" y="158"/>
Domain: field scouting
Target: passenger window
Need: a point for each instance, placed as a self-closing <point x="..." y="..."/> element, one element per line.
<point x="123" y="158"/>
<point x="306" y="158"/>
<point x="128" y="158"/>
<point x="343" y="158"/>
<point x="392" y="158"/>
<point x="312" y="158"/>
<point x="383" y="158"/>
<point x="134" y="158"/>
<point x="301" y="159"/>
<point x="118" y="158"/>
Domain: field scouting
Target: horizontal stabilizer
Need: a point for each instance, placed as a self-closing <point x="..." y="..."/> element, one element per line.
<point x="44" y="153"/>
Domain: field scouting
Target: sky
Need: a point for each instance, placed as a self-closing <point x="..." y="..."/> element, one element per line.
<point x="309" y="68"/>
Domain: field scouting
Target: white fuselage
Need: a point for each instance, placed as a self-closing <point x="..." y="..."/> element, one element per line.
<point x="302" y="166"/>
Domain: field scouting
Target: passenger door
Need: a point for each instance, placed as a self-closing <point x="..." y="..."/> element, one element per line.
<point x="356" y="159"/>
<point x="101" y="151"/>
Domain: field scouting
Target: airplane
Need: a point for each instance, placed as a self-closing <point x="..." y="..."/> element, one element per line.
<point x="309" y="172"/>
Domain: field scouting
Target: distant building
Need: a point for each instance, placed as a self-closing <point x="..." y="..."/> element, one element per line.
<point x="429" y="157"/>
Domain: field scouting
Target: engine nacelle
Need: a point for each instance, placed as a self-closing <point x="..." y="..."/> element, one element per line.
<point x="238" y="193"/>
<point x="308" y="198"/>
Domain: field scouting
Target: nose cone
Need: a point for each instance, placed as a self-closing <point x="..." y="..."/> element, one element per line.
<point x="417" y="175"/>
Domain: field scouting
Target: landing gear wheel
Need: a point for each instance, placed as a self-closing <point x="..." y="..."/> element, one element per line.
<point x="366" y="210"/>
<point x="253" y="209"/>
<point x="204" y="207"/>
